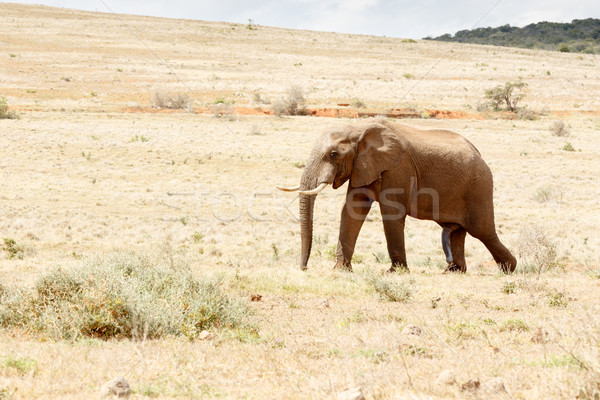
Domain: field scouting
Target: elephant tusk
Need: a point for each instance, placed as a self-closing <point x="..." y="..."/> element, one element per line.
<point x="314" y="191"/>
<point x="289" y="189"/>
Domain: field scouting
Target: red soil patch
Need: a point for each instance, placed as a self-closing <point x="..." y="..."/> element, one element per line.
<point x="446" y="114"/>
<point x="151" y="110"/>
<point x="325" y="112"/>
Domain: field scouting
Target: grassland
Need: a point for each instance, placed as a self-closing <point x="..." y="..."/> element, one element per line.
<point x="91" y="171"/>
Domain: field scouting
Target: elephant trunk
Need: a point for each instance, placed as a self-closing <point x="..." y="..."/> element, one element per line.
<point x="307" y="205"/>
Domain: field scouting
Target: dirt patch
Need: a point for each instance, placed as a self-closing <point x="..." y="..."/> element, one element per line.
<point x="447" y="114"/>
<point x="326" y="112"/>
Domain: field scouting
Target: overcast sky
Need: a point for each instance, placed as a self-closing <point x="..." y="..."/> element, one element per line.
<point x="408" y="19"/>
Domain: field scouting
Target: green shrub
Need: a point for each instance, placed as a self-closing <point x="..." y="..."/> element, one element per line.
<point x="123" y="296"/>
<point x="564" y="48"/>
<point x="4" y="113"/>
<point x="13" y="249"/>
<point x="505" y="94"/>
<point x="568" y="147"/>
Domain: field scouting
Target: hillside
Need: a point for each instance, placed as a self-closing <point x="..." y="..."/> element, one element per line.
<point x="580" y="36"/>
<point x="56" y="59"/>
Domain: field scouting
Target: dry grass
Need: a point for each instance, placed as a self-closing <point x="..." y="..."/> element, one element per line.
<point x="559" y="129"/>
<point x="165" y="100"/>
<point x="84" y="180"/>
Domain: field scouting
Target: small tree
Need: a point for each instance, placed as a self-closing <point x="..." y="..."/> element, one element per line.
<point x="505" y="94"/>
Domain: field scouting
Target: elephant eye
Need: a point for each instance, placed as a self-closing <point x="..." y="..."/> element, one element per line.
<point x="333" y="154"/>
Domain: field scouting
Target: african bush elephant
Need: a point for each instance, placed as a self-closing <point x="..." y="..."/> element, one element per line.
<point x="428" y="174"/>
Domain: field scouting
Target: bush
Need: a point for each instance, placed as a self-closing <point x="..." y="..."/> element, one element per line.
<point x="505" y="95"/>
<point x="568" y="147"/>
<point x="123" y="296"/>
<point x="536" y="248"/>
<point x="4" y="113"/>
<point x="564" y="48"/>
<point x="13" y="249"/>
<point x="293" y="104"/>
<point x="558" y="129"/>
<point x="224" y="110"/>
<point x="165" y="100"/>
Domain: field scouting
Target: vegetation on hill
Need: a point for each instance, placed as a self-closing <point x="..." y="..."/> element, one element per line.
<point x="581" y="35"/>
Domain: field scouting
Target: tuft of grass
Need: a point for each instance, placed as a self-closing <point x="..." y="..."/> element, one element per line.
<point x="4" y="113"/>
<point x="464" y="330"/>
<point x="13" y="249"/>
<point x="165" y="100"/>
<point x="508" y="287"/>
<point x="546" y="193"/>
<point x="258" y="99"/>
<point x="408" y="76"/>
<point x="123" y="296"/>
<point x="514" y="325"/>
<point x="292" y="104"/>
<point x="224" y="109"/>
<point x="357" y="103"/>
<point x="557" y="299"/>
<point x="138" y="138"/>
<point x="197" y="237"/>
<point x="559" y="129"/>
<point x="21" y="366"/>
<point x="390" y="288"/>
<point x="568" y="147"/>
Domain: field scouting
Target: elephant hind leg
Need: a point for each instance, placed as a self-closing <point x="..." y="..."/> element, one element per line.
<point x="453" y="244"/>
<point x="503" y="257"/>
<point x="457" y="239"/>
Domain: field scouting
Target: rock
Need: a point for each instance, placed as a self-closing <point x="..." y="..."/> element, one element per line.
<point x="412" y="330"/>
<point x="495" y="385"/>
<point x="117" y="387"/>
<point x="354" y="393"/>
<point x="205" y="335"/>
<point x="446" y="377"/>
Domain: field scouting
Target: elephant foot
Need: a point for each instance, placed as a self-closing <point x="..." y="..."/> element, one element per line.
<point x="343" y="266"/>
<point x="398" y="268"/>
<point x="451" y="268"/>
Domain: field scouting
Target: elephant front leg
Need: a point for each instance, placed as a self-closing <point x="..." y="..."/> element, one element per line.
<point x="393" y="226"/>
<point x="354" y="213"/>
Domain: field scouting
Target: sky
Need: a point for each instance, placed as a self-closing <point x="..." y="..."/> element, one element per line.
<point x="414" y="19"/>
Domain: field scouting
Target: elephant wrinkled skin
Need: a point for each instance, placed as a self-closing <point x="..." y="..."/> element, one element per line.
<point x="427" y="174"/>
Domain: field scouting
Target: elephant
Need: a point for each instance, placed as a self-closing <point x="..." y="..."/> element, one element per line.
<point x="426" y="174"/>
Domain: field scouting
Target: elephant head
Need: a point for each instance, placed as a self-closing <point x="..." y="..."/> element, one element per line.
<point x="359" y="153"/>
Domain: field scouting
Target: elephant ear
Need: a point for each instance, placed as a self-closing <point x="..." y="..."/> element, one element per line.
<point x="378" y="150"/>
